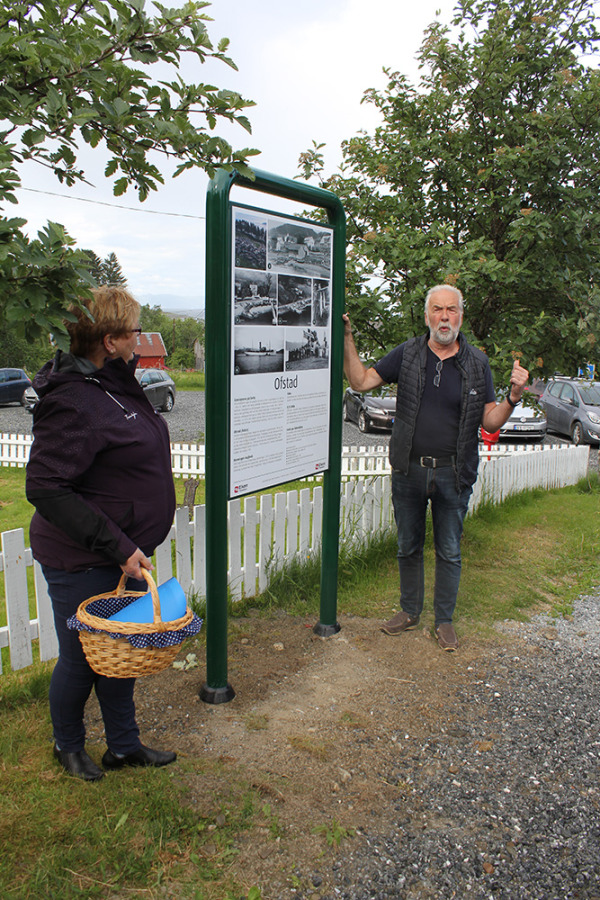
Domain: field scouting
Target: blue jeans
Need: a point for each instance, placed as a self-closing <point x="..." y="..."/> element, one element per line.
<point x="411" y="494"/>
<point x="73" y="679"/>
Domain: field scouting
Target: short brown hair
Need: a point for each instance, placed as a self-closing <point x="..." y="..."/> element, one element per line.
<point x="113" y="311"/>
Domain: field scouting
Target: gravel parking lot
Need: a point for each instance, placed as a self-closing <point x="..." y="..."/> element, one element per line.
<point x="185" y="421"/>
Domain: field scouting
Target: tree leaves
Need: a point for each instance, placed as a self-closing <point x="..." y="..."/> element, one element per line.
<point x="74" y="71"/>
<point x="485" y="176"/>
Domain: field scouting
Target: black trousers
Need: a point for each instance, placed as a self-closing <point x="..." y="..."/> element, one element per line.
<point x="73" y="679"/>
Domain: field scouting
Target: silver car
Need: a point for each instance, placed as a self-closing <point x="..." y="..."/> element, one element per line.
<point x="572" y="407"/>
<point x="526" y="423"/>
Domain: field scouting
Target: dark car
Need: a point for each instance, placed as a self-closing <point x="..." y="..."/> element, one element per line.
<point x="370" y="411"/>
<point x="12" y="385"/>
<point x="572" y="407"/>
<point x="158" y="386"/>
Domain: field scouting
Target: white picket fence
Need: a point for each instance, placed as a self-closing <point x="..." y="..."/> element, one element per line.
<point x="267" y="532"/>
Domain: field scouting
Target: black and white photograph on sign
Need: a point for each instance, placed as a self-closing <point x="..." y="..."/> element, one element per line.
<point x="281" y="306"/>
<point x="257" y="350"/>
<point x="306" y="348"/>
<point x="250" y="241"/>
<point x="321" y="300"/>
<point x="294" y="300"/>
<point x="299" y="249"/>
<point x="255" y="298"/>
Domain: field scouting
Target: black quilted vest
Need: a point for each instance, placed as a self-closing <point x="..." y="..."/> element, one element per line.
<point x="472" y="364"/>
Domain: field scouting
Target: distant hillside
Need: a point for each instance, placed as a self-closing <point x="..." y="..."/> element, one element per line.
<point x="183" y="313"/>
<point x="175" y="305"/>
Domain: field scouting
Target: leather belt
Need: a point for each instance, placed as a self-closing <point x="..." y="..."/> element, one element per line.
<point x="435" y="462"/>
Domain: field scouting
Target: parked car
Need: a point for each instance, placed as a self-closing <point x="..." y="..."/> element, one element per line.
<point x="12" y="385"/>
<point x="158" y="386"/>
<point x="525" y="423"/>
<point x="372" y="410"/>
<point x="572" y="407"/>
<point x="30" y="398"/>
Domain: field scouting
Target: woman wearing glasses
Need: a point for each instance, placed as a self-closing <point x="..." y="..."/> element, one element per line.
<point x="99" y="476"/>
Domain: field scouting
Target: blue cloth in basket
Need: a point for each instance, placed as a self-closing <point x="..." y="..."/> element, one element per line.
<point x="172" y="605"/>
<point x="107" y="606"/>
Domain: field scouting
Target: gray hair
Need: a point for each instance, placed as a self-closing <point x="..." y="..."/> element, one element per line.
<point x="445" y="287"/>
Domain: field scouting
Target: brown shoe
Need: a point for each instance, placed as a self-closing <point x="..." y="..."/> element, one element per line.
<point x="446" y="637"/>
<point x="401" y="622"/>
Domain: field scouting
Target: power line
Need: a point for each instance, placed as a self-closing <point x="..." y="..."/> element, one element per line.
<point x="151" y="212"/>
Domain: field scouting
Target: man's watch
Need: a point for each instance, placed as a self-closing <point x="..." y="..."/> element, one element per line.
<point x="510" y="402"/>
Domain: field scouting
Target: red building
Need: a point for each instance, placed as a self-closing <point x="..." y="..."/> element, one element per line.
<point x="151" y="350"/>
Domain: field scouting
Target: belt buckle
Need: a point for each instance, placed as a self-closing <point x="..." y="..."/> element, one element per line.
<point x="428" y="462"/>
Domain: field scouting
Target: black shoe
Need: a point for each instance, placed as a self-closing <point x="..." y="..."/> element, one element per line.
<point x="79" y="764"/>
<point x="144" y="756"/>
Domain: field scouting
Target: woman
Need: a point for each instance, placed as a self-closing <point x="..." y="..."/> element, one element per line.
<point x="99" y="476"/>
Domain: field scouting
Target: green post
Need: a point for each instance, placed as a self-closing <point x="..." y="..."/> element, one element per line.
<point x="218" y="276"/>
<point x="218" y="349"/>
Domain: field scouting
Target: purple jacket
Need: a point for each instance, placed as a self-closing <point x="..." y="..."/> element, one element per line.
<point x="99" y="471"/>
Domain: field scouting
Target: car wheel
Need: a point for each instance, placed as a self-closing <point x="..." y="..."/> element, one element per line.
<point x="345" y="415"/>
<point x="577" y="433"/>
<point x="169" y="403"/>
<point x="363" y="423"/>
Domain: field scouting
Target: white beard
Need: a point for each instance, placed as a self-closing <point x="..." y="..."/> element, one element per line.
<point x="445" y="337"/>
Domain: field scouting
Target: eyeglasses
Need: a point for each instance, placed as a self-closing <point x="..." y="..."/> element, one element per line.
<point x="438" y="372"/>
<point x="135" y="330"/>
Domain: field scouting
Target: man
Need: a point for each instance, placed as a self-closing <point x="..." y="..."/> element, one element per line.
<point x="445" y="392"/>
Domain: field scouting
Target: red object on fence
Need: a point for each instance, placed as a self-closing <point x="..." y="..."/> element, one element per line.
<point x="489" y="438"/>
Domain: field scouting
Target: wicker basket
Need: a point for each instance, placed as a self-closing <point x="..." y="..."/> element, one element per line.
<point x="116" y="657"/>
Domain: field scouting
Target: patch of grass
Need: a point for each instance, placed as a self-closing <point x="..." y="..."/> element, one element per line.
<point x="308" y="745"/>
<point x="539" y="549"/>
<point x="334" y="833"/>
<point x="362" y="574"/>
<point x="15" y="511"/>
<point x="590" y="484"/>
<point x="133" y="831"/>
<point x="187" y="380"/>
<point x="352" y="719"/>
<point x="256" y="722"/>
<point x="271" y="820"/>
<point x="25" y="686"/>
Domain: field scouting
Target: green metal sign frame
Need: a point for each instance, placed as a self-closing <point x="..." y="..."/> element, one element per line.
<point x="216" y="689"/>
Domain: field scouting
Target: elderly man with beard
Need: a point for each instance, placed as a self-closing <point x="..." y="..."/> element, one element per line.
<point x="445" y="392"/>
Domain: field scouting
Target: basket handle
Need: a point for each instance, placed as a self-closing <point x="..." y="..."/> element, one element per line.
<point x="153" y="592"/>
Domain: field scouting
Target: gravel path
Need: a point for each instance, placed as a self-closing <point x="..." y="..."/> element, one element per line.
<point x="509" y="794"/>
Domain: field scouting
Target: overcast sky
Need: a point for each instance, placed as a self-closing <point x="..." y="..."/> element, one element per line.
<point x="306" y="66"/>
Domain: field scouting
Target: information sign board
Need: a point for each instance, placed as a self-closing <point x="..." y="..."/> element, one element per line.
<point x="281" y="288"/>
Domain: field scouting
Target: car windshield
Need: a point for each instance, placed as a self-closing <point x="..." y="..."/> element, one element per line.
<point x="590" y="394"/>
